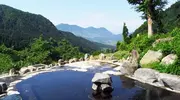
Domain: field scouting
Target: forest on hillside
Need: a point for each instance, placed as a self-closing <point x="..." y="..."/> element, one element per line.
<point x="39" y="51"/>
<point x="27" y="39"/>
<point x="18" y="29"/>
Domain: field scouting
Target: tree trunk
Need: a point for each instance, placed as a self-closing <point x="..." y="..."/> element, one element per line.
<point x="150" y="28"/>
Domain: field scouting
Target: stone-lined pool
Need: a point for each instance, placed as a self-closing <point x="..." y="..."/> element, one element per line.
<point x="73" y="85"/>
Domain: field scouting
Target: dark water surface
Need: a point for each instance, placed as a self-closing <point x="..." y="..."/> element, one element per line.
<point x="71" y="85"/>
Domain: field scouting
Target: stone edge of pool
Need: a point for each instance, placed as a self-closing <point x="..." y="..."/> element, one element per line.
<point x="12" y="89"/>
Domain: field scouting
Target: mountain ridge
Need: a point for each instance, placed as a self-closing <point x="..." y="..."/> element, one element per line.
<point x="101" y="35"/>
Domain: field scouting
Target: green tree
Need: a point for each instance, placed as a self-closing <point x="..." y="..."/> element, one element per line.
<point x="6" y="62"/>
<point x="117" y="45"/>
<point x="39" y="51"/>
<point x="125" y="34"/>
<point x="121" y="46"/>
<point x="151" y="10"/>
<point x="67" y="51"/>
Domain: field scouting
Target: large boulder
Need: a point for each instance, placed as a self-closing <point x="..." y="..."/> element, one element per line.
<point x="96" y="95"/>
<point x="102" y="84"/>
<point x="112" y="57"/>
<point x="105" y="96"/>
<point x="151" y="56"/>
<point x="11" y="92"/>
<point x="32" y="68"/>
<point x="57" y="64"/>
<point x="112" y="72"/>
<point x="3" y="87"/>
<point x="24" y="70"/>
<point x="38" y="68"/>
<point x="91" y="57"/>
<point x="60" y="61"/>
<point x="13" y="72"/>
<point x="95" y="87"/>
<point x="50" y="65"/>
<point x="118" y="68"/>
<point x="114" y="61"/>
<point x="106" y="88"/>
<point x="169" y="59"/>
<point x="102" y="78"/>
<point x="41" y="66"/>
<point x="171" y="81"/>
<point x="71" y="60"/>
<point x="128" y="68"/>
<point x="86" y="56"/>
<point x="81" y="59"/>
<point x="146" y="75"/>
<point x="135" y="56"/>
<point x="102" y="56"/>
<point x="46" y="67"/>
<point x="75" y="59"/>
<point x="66" y="62"/>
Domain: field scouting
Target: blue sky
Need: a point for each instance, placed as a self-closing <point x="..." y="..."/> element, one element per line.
<point x="98" y="13"/>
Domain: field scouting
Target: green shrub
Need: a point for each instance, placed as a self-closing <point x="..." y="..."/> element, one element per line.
<point x="141" y="43"/>
<point x="165" y="47"/>
<point x="176" y="43"/>
<point x="170" y="46"/>
<point x="95" y="53"/>
<point x="122" y="46"/>
<point x="6" y="62"/>
<point x="171" y="69"/>
<point x="175" y="32"/>
<point x="121" y="54"/>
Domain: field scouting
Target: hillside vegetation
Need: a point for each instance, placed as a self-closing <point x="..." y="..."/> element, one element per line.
<point x="18" y="29"/>
<point x="39" y="51"/>
<point x="140" y="41"/>
<point x="27" y="39"/>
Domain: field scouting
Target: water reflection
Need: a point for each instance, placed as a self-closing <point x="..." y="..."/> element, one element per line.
<point x="70" y="85"/>
<point x="127" y="82"/>
<point x="146" y="92"/>
<point x="155" y="93"/>
<point x="101" y="96"/>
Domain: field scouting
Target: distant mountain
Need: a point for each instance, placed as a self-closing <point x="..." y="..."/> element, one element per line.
<point x="100" y="35"/>
<point x="18" y="29"/>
